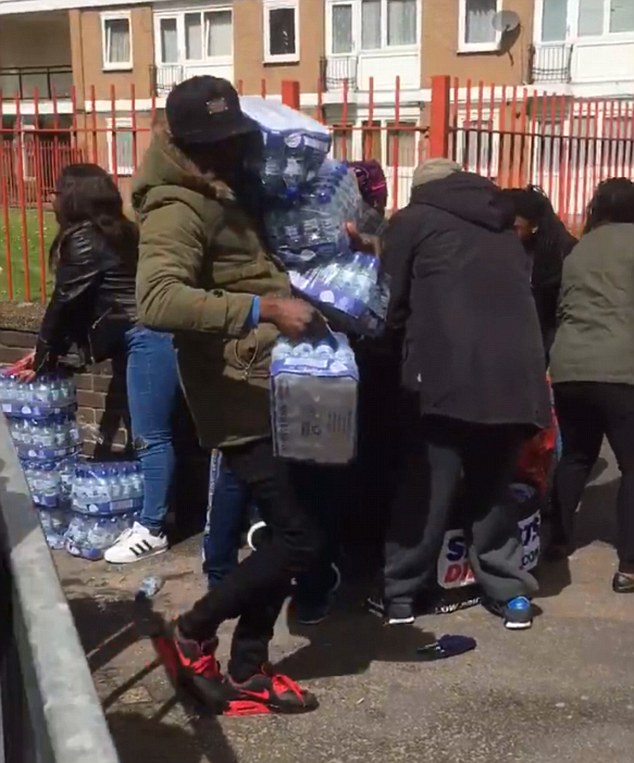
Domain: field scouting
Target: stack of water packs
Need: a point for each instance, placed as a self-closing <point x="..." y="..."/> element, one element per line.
<point x="106" y="499"/>
<point x="314" y="400"/>
<point x="310" y="200"/>
<point x="312" y="228"/>
<point x="294" y="145"/>
<point x="41" y="417"/>
<point x="350" y="291"/>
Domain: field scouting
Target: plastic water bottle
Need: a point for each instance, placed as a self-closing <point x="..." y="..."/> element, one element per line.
<point x="324" y="350"/>
<point x="149" y="587"/>
<point x="303" y="350"/>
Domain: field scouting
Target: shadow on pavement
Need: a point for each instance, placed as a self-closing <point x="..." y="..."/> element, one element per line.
<point x="138" y="737"/>
<point x="107" y="628"/>
<point x="348" y="642"/>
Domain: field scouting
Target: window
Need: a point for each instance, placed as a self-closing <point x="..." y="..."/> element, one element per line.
<point x="121" y="136"/>
<point x="116" y="40"/>
<point x="197" y="36"/>
<point x="193" y="37"/>
<point x="618" y="146"/>
<point x="372" y="141"/>
<point x="342" y="143"/>
<point x="549" y="149"/>
<point x="168" y="31"/>
<point x="475" y="26"/>
<point x="583" y="141"/>
<point x="478" y="146"/>
<point x="400" y="29"/>
<point x="554" y="20"/>
<point x="591" y="13"/>
<point x="281" y="31"/>
<point x="218" y="34"/>
<point x="621" y="16"/>
<point x="342" y="42"/>
<point x="401" y="144"/>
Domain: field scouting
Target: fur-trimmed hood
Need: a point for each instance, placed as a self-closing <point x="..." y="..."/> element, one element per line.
<point x="164" y="164"/>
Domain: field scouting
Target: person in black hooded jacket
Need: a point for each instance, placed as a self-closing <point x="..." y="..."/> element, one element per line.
<point x="547" y="242"/>
<point x="473" y="386"/>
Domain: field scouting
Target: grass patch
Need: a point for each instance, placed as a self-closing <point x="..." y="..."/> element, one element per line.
<point x="24" y="247"/>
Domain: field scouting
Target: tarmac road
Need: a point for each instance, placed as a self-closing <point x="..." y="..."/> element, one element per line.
<point x="563" y="691"/>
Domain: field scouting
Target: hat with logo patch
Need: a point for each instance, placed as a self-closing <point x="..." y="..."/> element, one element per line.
<point x="206" y="110"/>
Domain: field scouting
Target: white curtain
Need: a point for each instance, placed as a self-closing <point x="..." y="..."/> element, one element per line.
<point x="193" y="37"/>
<point x="341" y="28"/>
<point x="370" y="24"/>
<point x="478" y="24"/>
<point x="621" y="15"/>
<point x="591" y="14"/>
<point x="401" y="22"/>
<point x="169" y="41"/>
<point x="218" y="33"/>
<point x="117" y="41"/>
<point x="554" y="20"/>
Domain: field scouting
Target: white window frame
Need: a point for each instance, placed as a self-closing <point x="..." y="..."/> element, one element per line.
<point x="330" y="39"/>
<point x="274" y="5"/>
<point x="384" y="47"/>
<point x="123" y="124"/>
<point x="475" y="47"/>
<point x="179" y="16"/>
<point x="491" y="167"/>
<point x="572" y="26"/>
<point x="119" y="65"/>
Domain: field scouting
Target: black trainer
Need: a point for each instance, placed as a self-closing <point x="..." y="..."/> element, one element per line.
<point x="192" y="665"/>
<point x="394" y="613"/>
<point x="268" y="692"/>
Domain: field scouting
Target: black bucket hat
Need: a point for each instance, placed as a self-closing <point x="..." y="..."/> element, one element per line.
<point x="206" y="110"/>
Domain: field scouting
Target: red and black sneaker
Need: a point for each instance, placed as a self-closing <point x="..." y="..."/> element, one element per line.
<point x="192" y="665"/>
<point x="267" y="692"/>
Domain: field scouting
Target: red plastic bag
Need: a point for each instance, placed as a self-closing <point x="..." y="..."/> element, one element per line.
<point x="537" y="459"/>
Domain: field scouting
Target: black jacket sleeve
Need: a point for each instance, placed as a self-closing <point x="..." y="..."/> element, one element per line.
<point x="69" y="311"/>
<point x="398" y="257"/>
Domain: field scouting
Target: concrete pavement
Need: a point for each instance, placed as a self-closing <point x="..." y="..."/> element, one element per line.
<point x="563" y="691"/>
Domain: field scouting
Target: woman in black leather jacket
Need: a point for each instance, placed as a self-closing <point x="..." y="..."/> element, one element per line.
<point x="93" y="305"/>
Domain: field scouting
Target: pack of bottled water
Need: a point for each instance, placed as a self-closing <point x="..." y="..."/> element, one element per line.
<point x="41" y="419"/>
<point x="48" y="439"/>
<point x="294" y="145"/>
<point x="51" y="482"/>
<point x="314" y="400"/>
<point x="351" y="291"/>
<point x="47" y="395"/>
<point x="89" y="536"/>
<point x="107" y="489"/>
<point x="312" y="227"/>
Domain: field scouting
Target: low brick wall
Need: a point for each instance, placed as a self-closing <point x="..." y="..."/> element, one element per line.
<point x="104" y="420"/>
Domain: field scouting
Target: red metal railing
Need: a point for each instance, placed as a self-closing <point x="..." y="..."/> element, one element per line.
<point x="515" y="135"/>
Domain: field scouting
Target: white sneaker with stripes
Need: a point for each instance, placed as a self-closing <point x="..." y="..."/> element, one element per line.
<point x="136" y="544"/>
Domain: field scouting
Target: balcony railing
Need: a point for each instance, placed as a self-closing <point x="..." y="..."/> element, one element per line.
<point x="163" y="77"/>
<point x="550" y="63"/>
<point x="23" y="82"/>
<point x="335" y="71"/>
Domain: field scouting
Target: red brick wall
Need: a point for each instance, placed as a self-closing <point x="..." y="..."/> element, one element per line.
<point x="104" y="423"/>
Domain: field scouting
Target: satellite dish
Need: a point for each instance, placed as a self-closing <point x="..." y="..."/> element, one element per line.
<point x="505" y="21"/>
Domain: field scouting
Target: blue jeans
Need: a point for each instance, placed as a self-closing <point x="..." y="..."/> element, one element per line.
<point x="227" y="507"/>
<point x="153" y="387"/>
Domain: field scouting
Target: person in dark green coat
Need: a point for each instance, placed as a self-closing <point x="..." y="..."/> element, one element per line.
<point x="206" y="275"/>
<point x="592" y="367"/>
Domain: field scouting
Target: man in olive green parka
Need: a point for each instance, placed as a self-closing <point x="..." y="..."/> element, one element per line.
<point x="206" y="276"/>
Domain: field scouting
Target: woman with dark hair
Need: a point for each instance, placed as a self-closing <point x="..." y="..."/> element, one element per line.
<point x="94" y="256"/>
<point x="547" y="241"/>
<point x="592" y="367"/>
